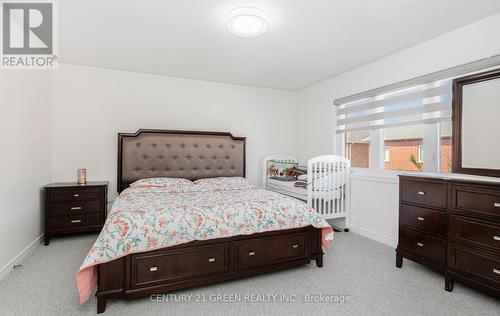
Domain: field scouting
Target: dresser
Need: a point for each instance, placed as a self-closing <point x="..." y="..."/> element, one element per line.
<point x="452" y="225"/>
<point x="72" y="208"/>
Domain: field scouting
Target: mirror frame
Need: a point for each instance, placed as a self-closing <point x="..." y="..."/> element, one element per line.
<point x="456" y="141"/>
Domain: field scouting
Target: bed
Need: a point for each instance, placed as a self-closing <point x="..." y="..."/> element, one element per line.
<point x="325" y="187"/>
<point x="166" y="233"/>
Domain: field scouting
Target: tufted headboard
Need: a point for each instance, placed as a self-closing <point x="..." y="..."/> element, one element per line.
<point x="178" y="154"/>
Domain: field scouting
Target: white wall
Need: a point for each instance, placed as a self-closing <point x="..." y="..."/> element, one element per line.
<point x="25" y="98"/>
<point x="91" y="105"/>
<point x="373" y="202"/>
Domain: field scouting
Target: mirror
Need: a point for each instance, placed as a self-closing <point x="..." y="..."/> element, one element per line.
<point x="476" y="125"/>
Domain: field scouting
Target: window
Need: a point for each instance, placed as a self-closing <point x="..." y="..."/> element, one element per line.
<point x="357" y="148"/>
<point x="420" y="156"/>
<point x="406" y="129"/>
<point x="445" y="147"/>
<point x="406" y="144"/>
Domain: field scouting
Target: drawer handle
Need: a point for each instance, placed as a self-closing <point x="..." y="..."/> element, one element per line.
<point x="420" y="219"/>
<point x="421" y="193"/>
<point x="496" y="204"/>
<point x="496" y="238"/>
<point x="153" y="269"/>
<point x="420" y="244"/>
<point x="211" y="259"/>
<point x="496" y="271"/>
<point x="295" y="246"/>
<point x="76" y="221"/>
<point x="251" y="253"/>
<point x="76" y="208"/>
<point x="76" y="195"/>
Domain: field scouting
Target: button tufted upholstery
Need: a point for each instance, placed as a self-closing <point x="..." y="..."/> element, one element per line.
<point x="190" y="156"/>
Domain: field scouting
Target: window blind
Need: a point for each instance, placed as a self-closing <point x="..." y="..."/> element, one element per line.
<point x="426" y="103"/>
<point x="425" y="99"/>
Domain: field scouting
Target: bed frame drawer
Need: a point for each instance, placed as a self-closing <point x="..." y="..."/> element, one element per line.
<point x="425" y="193"/>
<point x="262" y="251"/>
<point x="173" y="265"/>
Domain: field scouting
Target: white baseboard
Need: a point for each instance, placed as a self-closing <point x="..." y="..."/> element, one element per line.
<point x="4" y="271"/>
<point x="374" y="236"/>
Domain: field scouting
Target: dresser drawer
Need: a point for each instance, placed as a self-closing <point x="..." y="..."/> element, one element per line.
<point x="71" y="208"/>
<point x="424" y="193"/>
<point x="261" y="251"/>
<point x="475" y="233"/>
<point x="172" y="265"/>
<point x="424" y="220"/>
<point x="75" y="194"/>
<point x="479" y="202"/>
<point x="424" y="245"/>
<point x="74" y="221"/>
<point x="474" y="262"/>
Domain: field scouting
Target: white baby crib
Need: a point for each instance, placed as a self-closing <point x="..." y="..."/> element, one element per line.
<point x="328" y="184"/>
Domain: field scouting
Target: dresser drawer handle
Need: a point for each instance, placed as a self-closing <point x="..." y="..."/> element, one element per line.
<point x="295" y="246"/>
<point x="76" y="221"/>
<point x="251" y="253"/>
<point x="496" y="204"/>
<point x="496" y="238"/>
<point x="76" y="195"/>
<point x="76" y="208"/>
<point x="496" y="271"/>
<point x="421" y="193"/>
<point x="153" y="269"/>
<point x="420" y="244"/>
<point x="211" y="259"/>
<point x="420" y="219"/>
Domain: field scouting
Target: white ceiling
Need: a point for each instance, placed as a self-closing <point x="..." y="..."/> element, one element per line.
<point x="307" y="41"/>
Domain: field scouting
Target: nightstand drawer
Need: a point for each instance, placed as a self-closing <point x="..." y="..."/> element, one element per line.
<point x="423" y="245"/>
<point x="424" y="193"/>
<point x="65" y="222"/>
<point x="76" y="194"/>
<point x="72" y="208"/>
<point x="423" y="219"/>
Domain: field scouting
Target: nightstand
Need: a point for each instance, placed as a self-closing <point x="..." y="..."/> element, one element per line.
<point x="74" y="208"/>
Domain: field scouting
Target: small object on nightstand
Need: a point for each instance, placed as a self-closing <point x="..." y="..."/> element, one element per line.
<point x="81" y="176"/>
<point x="74" y="208"/>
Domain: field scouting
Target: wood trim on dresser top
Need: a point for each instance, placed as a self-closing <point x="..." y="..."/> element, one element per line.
<point x="460" y="238"/>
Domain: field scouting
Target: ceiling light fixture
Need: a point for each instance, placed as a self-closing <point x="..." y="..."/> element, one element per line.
<point x="247" y="22"/>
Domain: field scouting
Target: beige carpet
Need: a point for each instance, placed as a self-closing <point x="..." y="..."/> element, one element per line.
<point x="357" y="268"/>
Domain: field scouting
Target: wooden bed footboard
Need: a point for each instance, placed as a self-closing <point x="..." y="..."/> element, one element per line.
<point x="204" y="262"/>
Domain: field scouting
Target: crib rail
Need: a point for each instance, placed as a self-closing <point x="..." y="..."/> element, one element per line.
<point x="329" y="186"/>
<point x="278" y="158"/>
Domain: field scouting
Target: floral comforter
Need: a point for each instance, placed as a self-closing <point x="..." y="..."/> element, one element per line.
<point x="145" y="218"/>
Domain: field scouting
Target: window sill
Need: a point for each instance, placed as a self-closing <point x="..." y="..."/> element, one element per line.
<point x="387" y="176"/>
<point x="391" y="176"/>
